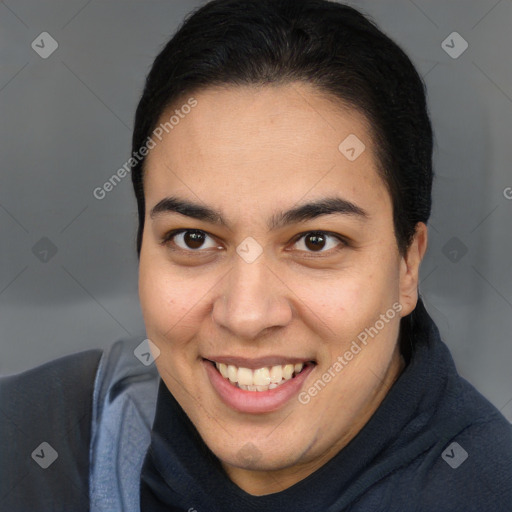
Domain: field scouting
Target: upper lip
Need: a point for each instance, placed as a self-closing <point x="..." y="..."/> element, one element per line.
<point x="258" y="362"/>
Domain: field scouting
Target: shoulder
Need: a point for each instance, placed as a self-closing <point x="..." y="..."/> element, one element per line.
<point x="124" y="404"/>
<point x="470" y="470"/>
<point x="484" y="451"/>
<point x="465" y="463"/>
<point x="76" y="429"/>
<point x="45" y="431"/>
<point x="49" y="392"/>
<point x="53" y="376"/>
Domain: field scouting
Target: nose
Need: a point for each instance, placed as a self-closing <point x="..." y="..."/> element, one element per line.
<point x="253" y="299"/>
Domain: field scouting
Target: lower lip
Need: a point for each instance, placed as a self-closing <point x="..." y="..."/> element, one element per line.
<point x="255" y="402"/>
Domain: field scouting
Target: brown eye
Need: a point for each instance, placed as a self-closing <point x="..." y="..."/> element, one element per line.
<point x="193" y="239"/>
<point x="189" y="240"/>
<point x="314" y="241"/>
<point x="317" y="241"/>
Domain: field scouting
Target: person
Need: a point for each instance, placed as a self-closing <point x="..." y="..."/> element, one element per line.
<point x="282" y="165"/>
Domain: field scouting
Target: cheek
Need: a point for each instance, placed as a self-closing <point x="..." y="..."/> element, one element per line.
<point x="165" y="300"/>
<point x="355" y="298"/>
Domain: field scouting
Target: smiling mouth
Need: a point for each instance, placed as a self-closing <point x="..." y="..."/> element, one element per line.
<point x="261" y="379"/>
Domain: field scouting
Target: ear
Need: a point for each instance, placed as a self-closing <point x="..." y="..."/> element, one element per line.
<point x="409" y="269"/>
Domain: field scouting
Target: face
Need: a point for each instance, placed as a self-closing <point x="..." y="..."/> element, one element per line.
<point x="270" y="278"/>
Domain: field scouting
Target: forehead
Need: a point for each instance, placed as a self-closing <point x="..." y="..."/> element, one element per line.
<point x="263" y="142"/>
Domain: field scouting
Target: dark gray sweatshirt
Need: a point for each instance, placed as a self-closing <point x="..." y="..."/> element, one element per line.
<point x="434" y="444"/>
<point x="124" y="444"/>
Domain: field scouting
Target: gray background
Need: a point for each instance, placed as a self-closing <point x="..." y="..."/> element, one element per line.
<point x="68" y="273"/>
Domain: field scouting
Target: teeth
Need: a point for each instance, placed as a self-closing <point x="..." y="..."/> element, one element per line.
<point x="232" y="373"/>
<point x="288" y="371"/>
<point x="261" y="379"/>
<point x="223" y="369"/>
<point x="276" y="374"/>
<point x="244" y="376"/>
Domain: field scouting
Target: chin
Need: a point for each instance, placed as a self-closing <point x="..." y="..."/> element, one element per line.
<point x="261" y="455"/>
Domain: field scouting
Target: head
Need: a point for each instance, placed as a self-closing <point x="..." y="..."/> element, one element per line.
<point x="282" y="206"/>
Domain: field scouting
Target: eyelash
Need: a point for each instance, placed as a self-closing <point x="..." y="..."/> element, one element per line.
<point x="168" y="239"/>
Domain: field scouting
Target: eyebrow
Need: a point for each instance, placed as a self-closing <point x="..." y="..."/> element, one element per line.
<point x="302" y="213"/>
